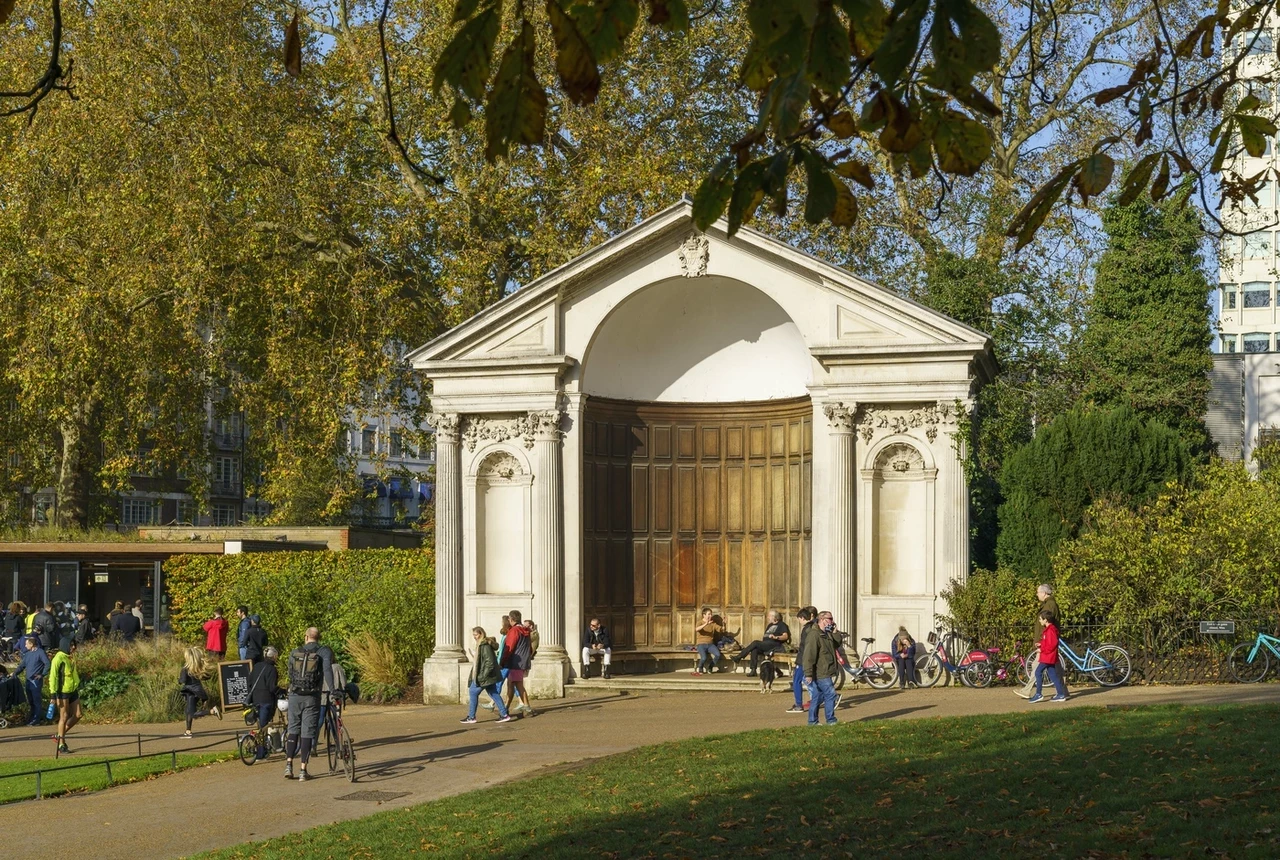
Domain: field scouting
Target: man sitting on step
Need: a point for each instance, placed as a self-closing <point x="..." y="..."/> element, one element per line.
<point x="776" y="636"/>
<point x="595" y="643"/>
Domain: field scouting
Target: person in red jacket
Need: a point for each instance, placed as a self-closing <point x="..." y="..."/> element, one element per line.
<point x="517" y="657"/>
<point x="1048" y="662"/>
<point x="215" y="630"/>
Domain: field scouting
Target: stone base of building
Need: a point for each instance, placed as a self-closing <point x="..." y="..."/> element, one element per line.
<point x="444" y="679"/>
<point x="550" y="672"/>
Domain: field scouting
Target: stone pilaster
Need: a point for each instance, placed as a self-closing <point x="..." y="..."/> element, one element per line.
<point x="440" y="674"/>
<point x="551" y="665"/>
<point x="841" y="555"/>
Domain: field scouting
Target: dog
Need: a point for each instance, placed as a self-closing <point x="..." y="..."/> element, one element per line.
<point x="768" y="673"/>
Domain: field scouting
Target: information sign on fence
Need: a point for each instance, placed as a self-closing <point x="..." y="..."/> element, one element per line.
<point x="1227" y="627"/>
<point x="233" y="677"/>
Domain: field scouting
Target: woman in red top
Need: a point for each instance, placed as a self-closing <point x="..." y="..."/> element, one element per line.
<point x="216" y="634"/>
<point x="1048" y="661"/>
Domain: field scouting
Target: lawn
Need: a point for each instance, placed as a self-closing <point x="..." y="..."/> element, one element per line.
<point x="1059" y="782"/>
<point x="90" y="778"/>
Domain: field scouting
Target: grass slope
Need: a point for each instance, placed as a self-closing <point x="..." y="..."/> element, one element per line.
<point x="1168" y="781"/>
<point x="89" y="778"/>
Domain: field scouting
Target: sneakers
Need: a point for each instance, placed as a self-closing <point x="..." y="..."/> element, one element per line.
<point x="303" y="776"/>
<point x="187" y="734"/>
<point x="215" y="712"/>
<point x="1058" y="699"/>
<point x="695" y="671"/>
<point x="586" y="671"/>
<point x="796" y="710"/>
<point x="1036" y="698"/>
<point x="288" y="771"/>
<point x="505" y="719"/>
<point x="62" y="746"/>
<point x="468" y="720"/>
<point x="488" y="706"/>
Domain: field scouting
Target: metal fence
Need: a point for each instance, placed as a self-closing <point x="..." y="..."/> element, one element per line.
<point x="1170" y="651"/>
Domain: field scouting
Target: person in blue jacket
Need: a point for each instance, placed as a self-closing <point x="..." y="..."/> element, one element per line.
<point x="34" y="666"/>
<point x="242" y="631"/>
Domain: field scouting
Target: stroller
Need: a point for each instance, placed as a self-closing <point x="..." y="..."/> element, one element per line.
<point x="11" y="695"/>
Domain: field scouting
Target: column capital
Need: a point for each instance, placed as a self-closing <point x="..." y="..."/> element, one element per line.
<point x="447" y="424"/>
<point x="544" y="425"/>
<point x="840" y="415"/>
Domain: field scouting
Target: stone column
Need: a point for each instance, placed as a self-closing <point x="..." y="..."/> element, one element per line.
<point x="440" y="674"/>
<point x="551" y="664"/>
<point x="842" y="559"/>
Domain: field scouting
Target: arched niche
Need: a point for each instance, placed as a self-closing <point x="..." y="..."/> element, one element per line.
<point x="901" y="490"/>
<point x="704" y="340"/>
<point x="501" y="511"/>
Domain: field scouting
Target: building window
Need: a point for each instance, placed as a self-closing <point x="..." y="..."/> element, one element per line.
<point x="1257" y="342"/>
<point x="139" y="512"/>
<point x="1228" y="343"/>
<point x="224" y="515"/>
<point x="1257" y="294"/>
<point x="1257" y="246"/>
<point x="369" y="441"/>
<point x="1259" y="44"/>
<point x="185" y="514"/>
<point x="226" y="474"/>
<point x="1229" y="297"/>
<point x="397" y="447"/>
<point x="1264" y="198"/>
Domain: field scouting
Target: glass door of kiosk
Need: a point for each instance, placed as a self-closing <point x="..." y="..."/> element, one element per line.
<point x="62" y="583"/>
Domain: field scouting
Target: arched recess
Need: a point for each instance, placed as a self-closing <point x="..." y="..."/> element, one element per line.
<point x="899" y="498"/>
<point x="500" y="491"/>
<point x="709" y="340"/>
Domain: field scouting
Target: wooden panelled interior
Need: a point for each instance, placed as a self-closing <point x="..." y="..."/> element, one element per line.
<point x="692" y="505"/>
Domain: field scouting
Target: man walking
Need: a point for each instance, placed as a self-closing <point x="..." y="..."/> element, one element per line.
<point x="64" y="684"/>
<point x="517" y="657"/>
<point x="806" y="617"/>
<point x="819" y="661"/>
<point x="242" y="630"/>
<point x="1044" y="593"/>
<point x="34" y="666"/>
<point x="595" y="643"/>
<point x="308" y="667"/>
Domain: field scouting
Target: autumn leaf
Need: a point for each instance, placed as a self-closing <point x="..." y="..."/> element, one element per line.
<point x="292" y="48"/>
<point x="6" y="9"/>
<point x="574" y="61"/>
<point x="517" y="107"/>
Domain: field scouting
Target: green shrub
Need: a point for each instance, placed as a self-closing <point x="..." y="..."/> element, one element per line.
<point x="131" y="682"/>
<point x="1000" y="598"/>
<point x="1207" y="550"/>
<point x="105" y="685"/>
<point x="1081" y="457"/>
<point x="389" y="593"/>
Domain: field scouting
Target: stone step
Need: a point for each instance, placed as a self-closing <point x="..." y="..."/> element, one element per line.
<point x="674" y="681"/>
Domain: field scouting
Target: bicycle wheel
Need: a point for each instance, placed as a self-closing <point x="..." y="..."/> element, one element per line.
<point x="1243" y="669"/>
<point x="331" y="746"/>
<point x="248" y="749"/>
<point x="1117" y="668"/>
<point x="928" y="669"/>
<point x="881" y="672"/>
<point x="838" y="680"/>
<point x="979" y="674"/>
<point x="347" y="752"/>
<point x="1020" y="672"/>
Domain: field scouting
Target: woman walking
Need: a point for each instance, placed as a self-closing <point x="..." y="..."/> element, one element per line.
<point x="190" y="681"/>
<point x="484" y="676"/>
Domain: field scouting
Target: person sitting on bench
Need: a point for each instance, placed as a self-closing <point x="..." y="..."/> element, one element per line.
<point x="776" y="637"/>
<point x="595" y="643"/>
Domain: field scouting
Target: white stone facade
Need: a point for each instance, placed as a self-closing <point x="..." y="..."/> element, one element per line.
<point x="662" y="314"/>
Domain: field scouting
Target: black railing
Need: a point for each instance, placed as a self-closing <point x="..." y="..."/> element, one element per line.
<point x="1163" y="651"/>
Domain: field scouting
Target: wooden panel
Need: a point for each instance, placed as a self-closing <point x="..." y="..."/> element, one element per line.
<point x="777" y="497"/>
<point x="662" y="442"/>
<point x="795" y="434"/>
<point x="686" y="573"/>
<point x="618" y="441"/>
<point x="639" y="442"/>
<point x="808" y="436"/>
<point x="661" y="561"/>
<point x="734" y="498"/>
<point x="619" y="573"/>
<point x="661" y="629"/>
<point x="735" y="592"/>
<point x="619" y="498"/>
<point x="589" y="492"/>
<point x="756" y="510"/>
<point x="588" y="438"/>
<point x="710" y="498"/>
<point x="662" y="499"/>
<point x="759" y="564"/>
<point x="685" y="442"/>
<point x="710" y="574"/>
<point x="756" y="441"/>
<point x="639" y="498"/>
<point x="793" y="497"/>
<point x="710" y="443"/>
<point x="733" y="442"/>
<point x="640" y="572"/>
<point x="778" y="574"/>
<point x="778" y="440"/>
<point x="806" y="495"/>
<point x="640" y="628"/>
<point x="686" y="499"/>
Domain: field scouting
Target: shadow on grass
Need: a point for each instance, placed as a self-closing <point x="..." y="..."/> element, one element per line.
<point x="1165" y="781"/>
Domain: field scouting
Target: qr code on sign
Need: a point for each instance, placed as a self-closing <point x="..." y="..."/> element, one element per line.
<point x="237" y="690"/>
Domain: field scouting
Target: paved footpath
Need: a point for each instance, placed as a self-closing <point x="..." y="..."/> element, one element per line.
<point x="412" y="754"/>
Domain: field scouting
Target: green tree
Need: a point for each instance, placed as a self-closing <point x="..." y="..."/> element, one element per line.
<point x="1082" y="457"/>
<point x="1147" y="335"/>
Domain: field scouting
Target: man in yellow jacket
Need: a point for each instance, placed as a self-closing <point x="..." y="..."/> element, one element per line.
<point x="64" y="683"/>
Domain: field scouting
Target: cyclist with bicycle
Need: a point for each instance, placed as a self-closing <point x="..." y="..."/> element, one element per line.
<point x="309" y="666"/>
<point x="264" y="691"/>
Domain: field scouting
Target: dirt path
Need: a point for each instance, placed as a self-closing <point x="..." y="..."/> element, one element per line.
<point x="409" y="755"/>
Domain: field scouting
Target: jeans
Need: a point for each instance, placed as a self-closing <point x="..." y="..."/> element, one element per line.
<point x="708" y="655"/>
<point x="33" y="698"/>
<point x="243" y="651"/>
<point x="822" y="691"/>
<point x="906" y="666"/>
<point x="494" y="693"/>
<point x="758" y="649"/>
<point x="797" y="684"/>
<point x="1054" y="676"/>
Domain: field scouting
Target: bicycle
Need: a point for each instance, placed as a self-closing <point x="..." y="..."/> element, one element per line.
<point x="875" y="669"/>
<point x="1249" y="662"/>
<point x="270" y="736"/>
<point x="1109" y="665"/>
<point x="1017" y="671"/>
<point x="338" y="744"/>
<point x="975" y="668"/>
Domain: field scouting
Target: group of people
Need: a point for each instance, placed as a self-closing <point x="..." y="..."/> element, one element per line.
<point x="495" y="664"/>
<point x="251" y="639"/>
<point x="54" y="625"/>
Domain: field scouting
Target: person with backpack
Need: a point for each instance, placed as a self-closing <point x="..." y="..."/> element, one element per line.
<point x="517" y="657"/>
<point x="309" y="666"/>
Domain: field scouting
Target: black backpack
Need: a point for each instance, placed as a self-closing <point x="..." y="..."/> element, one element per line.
<point x="306" y="671"/>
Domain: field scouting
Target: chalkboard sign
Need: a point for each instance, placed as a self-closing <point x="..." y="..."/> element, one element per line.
<point x="233" y="678"/>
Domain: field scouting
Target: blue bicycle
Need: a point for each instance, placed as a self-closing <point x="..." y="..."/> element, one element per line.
<point x="1108" y="665"/>
<point x="1249" y="662"/>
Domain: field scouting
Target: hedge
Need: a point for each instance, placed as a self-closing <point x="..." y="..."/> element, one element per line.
<point x="387" y="592"/>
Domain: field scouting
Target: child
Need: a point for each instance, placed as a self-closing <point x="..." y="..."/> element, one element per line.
<point x="1049" y="659"/>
